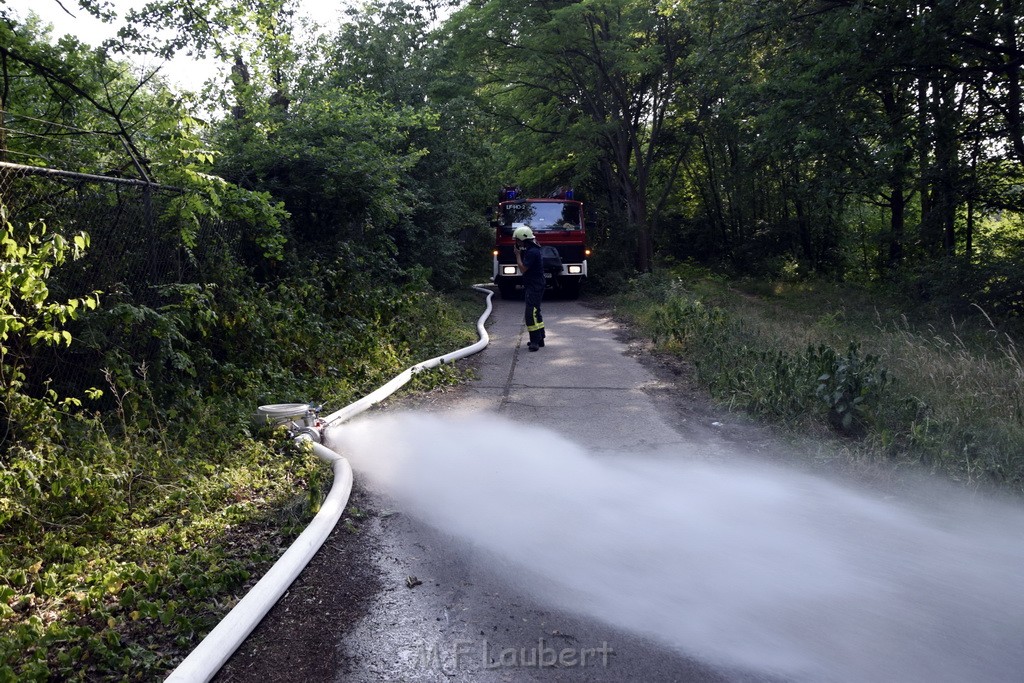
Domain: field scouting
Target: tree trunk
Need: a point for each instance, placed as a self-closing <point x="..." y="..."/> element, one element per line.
<point x="718" y="211"/>
<point x="924" y="151"/>
<point x="4" y="93"/>
<point x="896" y="110"/>
<point x="636" y="219"/>
<point x="806" y="241"/>
<point x="946" y="165"/>
<point x="897" y="223"/>
<point x="1014" y="60"/>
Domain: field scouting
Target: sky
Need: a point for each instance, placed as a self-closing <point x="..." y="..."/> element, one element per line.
<point x="185" y="71"/>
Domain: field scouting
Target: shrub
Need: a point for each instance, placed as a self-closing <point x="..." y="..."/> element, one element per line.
<point x="949" y="400"/>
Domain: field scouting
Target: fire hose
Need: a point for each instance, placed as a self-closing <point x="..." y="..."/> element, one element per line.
<point x="214" y="650"/>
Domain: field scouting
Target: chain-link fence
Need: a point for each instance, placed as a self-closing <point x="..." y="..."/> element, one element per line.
<point x="135" y="251"/>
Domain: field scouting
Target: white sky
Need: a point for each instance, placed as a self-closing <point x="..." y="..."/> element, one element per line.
<point x="186" y="71"/>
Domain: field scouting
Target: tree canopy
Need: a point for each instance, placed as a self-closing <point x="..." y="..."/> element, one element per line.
<point x="859" y="140"/>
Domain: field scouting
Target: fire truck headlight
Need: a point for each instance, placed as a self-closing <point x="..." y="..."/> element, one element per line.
<point x="509" y="270"/>
<point x="575" y="270"/>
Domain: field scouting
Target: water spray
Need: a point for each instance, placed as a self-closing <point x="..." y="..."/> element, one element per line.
<point x="742" y="565"/>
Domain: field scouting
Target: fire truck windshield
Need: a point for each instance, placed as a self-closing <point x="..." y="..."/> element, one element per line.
<point x="542" y="216"/>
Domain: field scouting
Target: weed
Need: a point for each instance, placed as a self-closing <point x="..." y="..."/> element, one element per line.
<point x="851" y="389"/>
<point x="125" y="534"/>
<point x="946" y="393"/>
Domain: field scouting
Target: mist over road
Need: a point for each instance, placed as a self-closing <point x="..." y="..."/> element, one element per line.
<point x="576" y="515"/>
<point x="570" y="518"/>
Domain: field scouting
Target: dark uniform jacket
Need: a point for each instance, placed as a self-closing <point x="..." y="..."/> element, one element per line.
<point x="533" y="260"/>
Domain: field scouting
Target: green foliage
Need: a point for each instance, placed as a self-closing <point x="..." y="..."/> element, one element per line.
<point x="30" y="319"/>
<point x="366" y="135"/>
<point x="167" y="27"/>
<point x="26" y="312"/>
<point x="118" y="552"/>
<point x="937" y="399"/>
<point x="991" y="286"/>
<point x="741" y="365"/>
<point x="858" y="140"/>
<point x="336" y="162"/>
<point x="126" y="535"/>
<point x="852" y="387"/>
<point x="128" y="528"/>
<point x="581" y="93"/>
<point x="71" y="105"/>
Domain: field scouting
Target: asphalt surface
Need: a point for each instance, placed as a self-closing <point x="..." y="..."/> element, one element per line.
<point x="468" y="622"/>
<point x="888" y="577"/>
<point x="388" y="598"/>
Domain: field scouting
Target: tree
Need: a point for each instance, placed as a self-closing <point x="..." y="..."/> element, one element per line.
<point x="826" y="106"/>
<point x="69" y="91"/>
<point x="393" y="49"/>
<point x="588" y="87"/>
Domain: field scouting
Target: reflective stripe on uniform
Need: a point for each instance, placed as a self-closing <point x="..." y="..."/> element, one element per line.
<point x="537" y="324"/>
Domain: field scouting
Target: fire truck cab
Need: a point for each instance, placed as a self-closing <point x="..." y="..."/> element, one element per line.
<point x="556" y="221"/>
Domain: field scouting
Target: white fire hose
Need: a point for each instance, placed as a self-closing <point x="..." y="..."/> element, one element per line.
<point x="215" y="649"/>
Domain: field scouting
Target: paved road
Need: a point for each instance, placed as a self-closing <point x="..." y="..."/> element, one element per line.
<point x="466" y="621"/>
<point x="581" y="384"/>
<point x="774" y="569"/>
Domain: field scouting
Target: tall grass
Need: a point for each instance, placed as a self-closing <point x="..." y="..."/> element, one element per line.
<point x="942" y="392"/>
<point x="968" y="385"/>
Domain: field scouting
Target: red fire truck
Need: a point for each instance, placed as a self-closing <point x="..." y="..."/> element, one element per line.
<point x="556" y="221"/>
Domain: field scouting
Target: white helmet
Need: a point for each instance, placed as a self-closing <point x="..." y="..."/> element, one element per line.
<point x="522" y="233"/>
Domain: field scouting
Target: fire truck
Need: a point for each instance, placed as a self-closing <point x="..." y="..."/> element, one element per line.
<point x="557" y="222"/>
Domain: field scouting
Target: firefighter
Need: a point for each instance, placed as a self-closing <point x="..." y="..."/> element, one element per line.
<point x="531" y="265"/>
